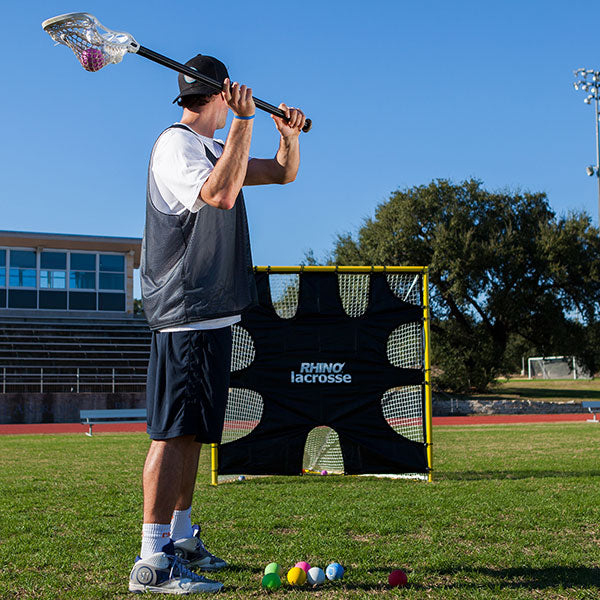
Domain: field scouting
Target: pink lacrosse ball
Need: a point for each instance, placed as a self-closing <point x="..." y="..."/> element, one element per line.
<point x="303" y="565"/>
<point x="92" y="59"/>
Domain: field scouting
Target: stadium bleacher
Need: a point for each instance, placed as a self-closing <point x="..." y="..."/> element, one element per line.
<point x="73" y="354"/>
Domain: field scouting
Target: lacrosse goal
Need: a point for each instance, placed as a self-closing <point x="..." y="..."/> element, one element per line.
<point x="330" y="373"/>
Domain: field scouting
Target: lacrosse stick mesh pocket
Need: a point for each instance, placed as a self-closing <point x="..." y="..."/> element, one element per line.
<point x="94" y="45"/>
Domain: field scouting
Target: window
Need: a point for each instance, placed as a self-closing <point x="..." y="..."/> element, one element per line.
<point x="83" y="262"/>
<point x="112" y="272"/>
<point x="53" y="260"/>
<point x="83" y="272"/>
<point x="80" y="280"/>
<point x="53" y="300"/>
<point x="2" y="270"/>
<point x="53" y="270"/>
<point x="111" y="281"/>
<point x="22" y="272"/>
<point x="22" y="299"/>
<point x="82" y="300"/>
<point x="62" y="280"/>
<point x="53" y="279"/>
<point x="22" y="277"/>
<point x="112" y="262"/>
<point x="22" y="259"/>
<point x="107" y="301"/>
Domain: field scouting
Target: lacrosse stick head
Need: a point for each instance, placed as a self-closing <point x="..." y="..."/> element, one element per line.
<point x="94" y="45"/>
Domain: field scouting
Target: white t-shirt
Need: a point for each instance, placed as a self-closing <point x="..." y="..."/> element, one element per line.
<point x="178" y="170"/>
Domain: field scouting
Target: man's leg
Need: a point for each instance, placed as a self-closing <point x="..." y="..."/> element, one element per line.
<point x="181" y="523"/>
<point x="164" y="471"/>
<point x="188" y="479"/>
<point x="188" y="543"/>
<point x="169" y="477"/>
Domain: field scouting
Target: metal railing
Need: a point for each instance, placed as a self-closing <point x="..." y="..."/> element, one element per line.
<point x="76" y="380"/>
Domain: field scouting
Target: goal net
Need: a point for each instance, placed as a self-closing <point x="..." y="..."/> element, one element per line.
<point x="556" y="367"/>
<point x="330" y="375"/>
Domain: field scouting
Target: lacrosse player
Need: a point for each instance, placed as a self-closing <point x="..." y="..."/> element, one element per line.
<point x="197" y="279"/>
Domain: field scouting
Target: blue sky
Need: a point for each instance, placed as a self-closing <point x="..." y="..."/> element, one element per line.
<point x="400" y="93"/>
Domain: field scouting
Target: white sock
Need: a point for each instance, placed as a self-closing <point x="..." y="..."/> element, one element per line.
<point x="181" y="524"/>
<point x="154" y="537"/>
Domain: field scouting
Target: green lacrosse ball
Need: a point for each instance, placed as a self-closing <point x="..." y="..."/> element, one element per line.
<point x="271" y="582"/>
<point x="274" y="568"/>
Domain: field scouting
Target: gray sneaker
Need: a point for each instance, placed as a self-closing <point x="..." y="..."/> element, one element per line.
<point x="194" y="552"/>
<point x="164" y="573"/>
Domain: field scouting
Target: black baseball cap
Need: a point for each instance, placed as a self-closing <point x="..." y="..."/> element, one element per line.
<point x="206" y="65"/>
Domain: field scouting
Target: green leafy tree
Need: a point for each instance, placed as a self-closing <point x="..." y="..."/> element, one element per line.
<point x="506" y="274"/>
<point x="138" y="309"/>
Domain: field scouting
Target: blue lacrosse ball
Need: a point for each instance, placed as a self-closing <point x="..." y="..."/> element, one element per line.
<point x="334" y="571"/>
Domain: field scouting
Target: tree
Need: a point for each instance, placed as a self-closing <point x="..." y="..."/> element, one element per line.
<point x="138" y="309"/>
<point x="506" y="274"/>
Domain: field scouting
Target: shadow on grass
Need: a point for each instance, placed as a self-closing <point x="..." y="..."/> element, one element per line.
<point x="525" y="577"/>
<point x="299" y="479"/>
<point x="510" y="474"/>
<point x="544" y="393"/>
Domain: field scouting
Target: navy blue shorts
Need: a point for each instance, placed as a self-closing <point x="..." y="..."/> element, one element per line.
<point x="188" y="383"/>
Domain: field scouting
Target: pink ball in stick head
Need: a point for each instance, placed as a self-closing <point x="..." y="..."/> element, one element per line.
<point x="92" y="59"/>
<point x="397" y="578"/>
<point x="303" y="565"/>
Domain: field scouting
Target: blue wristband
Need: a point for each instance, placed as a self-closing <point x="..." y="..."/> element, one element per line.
<point x="243" y="118"/>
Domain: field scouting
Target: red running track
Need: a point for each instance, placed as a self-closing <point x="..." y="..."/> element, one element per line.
<point x="133" y="427"/>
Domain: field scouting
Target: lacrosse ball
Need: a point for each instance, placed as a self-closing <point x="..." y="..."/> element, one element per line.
<point x="274" y="568"/>
<point x="315" y="576"/>
<point x="397" y="578"/>
<point x="271" y="581"/>
<point x="303" y="565"/>
<point x="296" y="576"/>
<point x="92" y="59"/>
<point x="334" y="571"/>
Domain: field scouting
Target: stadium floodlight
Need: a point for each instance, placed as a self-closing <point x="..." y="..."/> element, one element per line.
<point x="588" y="80"/>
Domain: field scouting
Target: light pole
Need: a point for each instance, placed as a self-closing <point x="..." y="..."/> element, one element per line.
<point x="588" y="80"/>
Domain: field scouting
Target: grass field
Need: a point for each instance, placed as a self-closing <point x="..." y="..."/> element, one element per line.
<point x="514" y="512"/>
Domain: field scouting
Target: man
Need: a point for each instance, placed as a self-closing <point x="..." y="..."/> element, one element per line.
<point x="197" y="279"/>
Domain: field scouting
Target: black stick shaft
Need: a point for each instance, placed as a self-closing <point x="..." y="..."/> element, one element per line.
<point x="172" y="64"/>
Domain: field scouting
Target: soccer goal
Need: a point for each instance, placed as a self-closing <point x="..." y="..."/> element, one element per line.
<point x="556" y="367"/>
<point x="330" y="374"/>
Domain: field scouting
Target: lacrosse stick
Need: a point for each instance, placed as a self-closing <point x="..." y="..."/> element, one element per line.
<point x="97" y="46"/>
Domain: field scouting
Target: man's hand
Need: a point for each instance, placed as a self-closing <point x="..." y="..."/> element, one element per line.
<point x="239" y="98"/>
<point x="294" y="123"/>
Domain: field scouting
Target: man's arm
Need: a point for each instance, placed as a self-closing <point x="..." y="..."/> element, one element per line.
<point x="225" y="182"/>
<point x="284" y="167"/>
